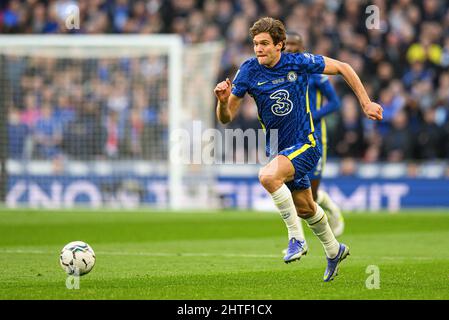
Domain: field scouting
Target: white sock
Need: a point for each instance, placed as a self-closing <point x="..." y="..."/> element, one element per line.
<point x="329" y="206"/>
<point x="300" y="228"/>
<point x="320" y="227"/>
<point x="283" y="200"/>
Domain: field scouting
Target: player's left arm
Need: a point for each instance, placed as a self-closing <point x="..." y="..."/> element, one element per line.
<point x="333" y="101"/>
<point x="333" y="67"/>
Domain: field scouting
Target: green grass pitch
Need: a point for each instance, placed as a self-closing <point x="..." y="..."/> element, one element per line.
<point x="220" y="255"/>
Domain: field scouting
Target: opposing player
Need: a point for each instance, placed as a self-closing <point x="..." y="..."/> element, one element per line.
<point x="320" y="88"/>
<point x="278" y="83"/>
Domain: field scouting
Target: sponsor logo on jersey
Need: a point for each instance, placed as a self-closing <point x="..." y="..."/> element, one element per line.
<point x="278" y="81"/>
<point x="282" y="104"/>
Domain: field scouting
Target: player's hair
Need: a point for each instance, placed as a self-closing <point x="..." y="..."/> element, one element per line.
<point x="275" y="28"/>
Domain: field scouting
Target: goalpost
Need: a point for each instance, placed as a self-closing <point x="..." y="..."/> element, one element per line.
<point x="106" y="108"/>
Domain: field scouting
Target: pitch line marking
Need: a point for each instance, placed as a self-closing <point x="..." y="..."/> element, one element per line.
<point x="200" y="254"/>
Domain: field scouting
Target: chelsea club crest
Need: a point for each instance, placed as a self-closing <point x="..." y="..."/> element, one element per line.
<point x="292" y="76"/>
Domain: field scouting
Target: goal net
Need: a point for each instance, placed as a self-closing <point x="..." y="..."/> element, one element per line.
<point x="93" y="120"/>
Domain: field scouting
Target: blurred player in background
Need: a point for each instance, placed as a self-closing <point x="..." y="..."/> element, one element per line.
<point x="278" y="83"/>
<point x="320" y="88"/>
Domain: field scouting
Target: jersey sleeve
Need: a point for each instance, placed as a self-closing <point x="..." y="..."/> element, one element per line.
<point x="240" y="84"/>
<point x="310" y="63"/>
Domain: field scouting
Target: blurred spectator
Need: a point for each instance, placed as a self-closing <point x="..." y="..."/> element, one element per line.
<point x="52" y="24"/>
<point x="32" y="112"/>
<point x="398" y="142"/>
<point x="414" y="115"/>
<point x="47" y="134"/>
<point x="112" y="134"/>
<point x="443" y="88"/>
<point x="385" y="74"/>
<point x="424" y="51"/>
<point x="433" y="10"/>
<point x="392" y="105"/>
<point x="154" y="137"/>
<point x="17" y="134"/>
<point x="445" y="53"/>
<point x="429" y="138"/>
<point x="38" y="20"/>
<point x="120" y="14"/>
<point x="12" y="17"/>
<point x="133" y="134"/>
<point x="64" y="112"/>
<point x="416" y="72"/>
<point x="348" y="138"/>
<point x="84" y="137"/>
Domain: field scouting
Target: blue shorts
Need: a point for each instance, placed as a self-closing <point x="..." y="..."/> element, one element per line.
<point x="317" y="171"/>
<point x="304" y="158"/>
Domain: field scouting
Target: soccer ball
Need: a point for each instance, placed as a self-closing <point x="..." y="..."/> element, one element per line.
<point x="77" y="258"/>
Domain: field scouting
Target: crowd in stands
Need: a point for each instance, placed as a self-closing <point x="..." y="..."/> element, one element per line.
<point x="403" y="62"/>
<point x="100" y="108"/>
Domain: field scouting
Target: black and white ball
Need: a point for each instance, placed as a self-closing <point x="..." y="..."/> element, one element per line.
<point x="77" y="258"/>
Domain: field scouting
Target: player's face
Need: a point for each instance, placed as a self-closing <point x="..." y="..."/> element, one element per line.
<point x="267" y="53"/>
<point x="293" y="44"/>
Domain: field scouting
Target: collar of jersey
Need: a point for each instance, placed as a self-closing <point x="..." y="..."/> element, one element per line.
<point x="276" y="65"/>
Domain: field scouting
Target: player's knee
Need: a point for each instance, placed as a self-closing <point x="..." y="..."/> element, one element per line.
<point x="270" y="182"/>
<point x="306" y="209"/>
<point x="265" y="179"/>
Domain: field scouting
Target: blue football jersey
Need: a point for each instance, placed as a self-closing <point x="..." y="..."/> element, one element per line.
<point x="281" y="96"/>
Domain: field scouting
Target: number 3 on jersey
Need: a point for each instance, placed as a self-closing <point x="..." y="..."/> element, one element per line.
<point x="283" y="105"/>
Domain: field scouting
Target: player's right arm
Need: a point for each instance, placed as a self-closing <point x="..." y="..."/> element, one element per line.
<point x="228" y="103"/>
<point x="230" y="94"/>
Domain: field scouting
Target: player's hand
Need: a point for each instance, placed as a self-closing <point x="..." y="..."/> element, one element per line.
<point x="223" y="90"/>
<point x="373" y="111"/>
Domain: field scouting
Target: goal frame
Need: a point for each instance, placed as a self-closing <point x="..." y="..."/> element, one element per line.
<point x="171" y="44"/>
